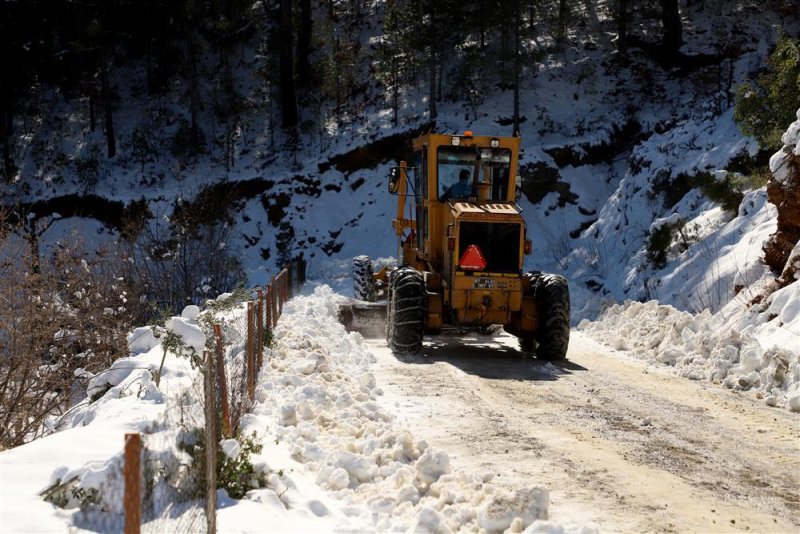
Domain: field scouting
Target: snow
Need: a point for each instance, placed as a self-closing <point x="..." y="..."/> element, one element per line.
<point x="334" y="455"/>
<point x="779" y="162"/>
<point x="755" y="352"/>
<point x="141" y="340"/>
<point x="746" y="335"/>
<point x="188" y="330"/>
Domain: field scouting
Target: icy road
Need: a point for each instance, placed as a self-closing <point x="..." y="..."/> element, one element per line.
<point x="626" y="445"/>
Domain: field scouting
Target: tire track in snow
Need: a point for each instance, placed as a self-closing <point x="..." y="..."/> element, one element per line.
<point x="616" y="441"/>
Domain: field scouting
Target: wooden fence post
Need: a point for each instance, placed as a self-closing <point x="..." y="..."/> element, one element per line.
<point x="301" y="270"/>
<point x="282" y="299"/>
<point x="133" y="483"/>
<point x="289" y="269"/>
<point x="268" y="308"/>
<point x="249" y="354"/>
<point x="211" y="444"/>
<point x="260" y="330"/>
<point x="274" y="303"/>
<point x="223" y="383"/>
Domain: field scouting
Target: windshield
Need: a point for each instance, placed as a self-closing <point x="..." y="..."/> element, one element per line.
<point x="459" y="168"/>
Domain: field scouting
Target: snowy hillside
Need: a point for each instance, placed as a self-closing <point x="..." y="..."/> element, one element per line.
<point x="637" y="185"/>
<point x="602" y="141"/>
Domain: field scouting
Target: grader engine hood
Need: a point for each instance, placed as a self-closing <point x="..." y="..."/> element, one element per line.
<point x="489" y="237"/>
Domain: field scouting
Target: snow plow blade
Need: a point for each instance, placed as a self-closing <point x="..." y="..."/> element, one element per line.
<point x="366" y="318"/>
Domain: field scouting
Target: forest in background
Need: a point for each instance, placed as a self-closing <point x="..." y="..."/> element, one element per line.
<point x="317" y="61"/>
<point x="101" y="99"/>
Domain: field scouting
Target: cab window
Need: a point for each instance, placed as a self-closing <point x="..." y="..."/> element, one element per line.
<point x="459" y="168"/>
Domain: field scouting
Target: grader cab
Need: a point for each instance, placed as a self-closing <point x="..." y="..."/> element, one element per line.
<point x="462" y="240"/>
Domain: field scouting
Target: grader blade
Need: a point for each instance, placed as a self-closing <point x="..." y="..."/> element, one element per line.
<point x="366" y="318"/>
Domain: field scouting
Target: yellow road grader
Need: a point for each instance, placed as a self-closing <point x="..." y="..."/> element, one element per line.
<point x="461" y="244"/>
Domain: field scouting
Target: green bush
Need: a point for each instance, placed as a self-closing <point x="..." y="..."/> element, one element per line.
<point x="725" y="191"/>
<point x="237" y="475"/>
<point x="677" y="237"/>
<point x="765" y="107"/>
<point x="658" y="243"/>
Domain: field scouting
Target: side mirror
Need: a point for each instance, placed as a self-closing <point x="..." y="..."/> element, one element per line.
<point x="394" y="180"/>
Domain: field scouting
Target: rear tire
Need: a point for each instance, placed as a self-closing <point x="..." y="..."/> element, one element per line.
<point x="405" y="321"/>
<point x="552" y="294"/>
<point x="527" y="344"/>
<point x="363" y="286"/>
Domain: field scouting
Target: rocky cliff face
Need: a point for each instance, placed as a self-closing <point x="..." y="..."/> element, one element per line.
<point x="781" y="251"/>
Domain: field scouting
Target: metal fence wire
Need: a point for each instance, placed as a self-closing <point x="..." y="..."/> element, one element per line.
<point x="170" y="473"/>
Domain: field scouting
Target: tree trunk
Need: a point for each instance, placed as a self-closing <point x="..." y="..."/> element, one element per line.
<point x="622" y="27"/>
<point x="92" y="104"/>
<point x="6" y="133"/>
<point x="109" y="119"/>
<point x="673" y="28"/>
<point x="304" y="44"/>
<point x="563" y="12"/>
<point x="286" y="67"/>
<point x="432" y="64"/>
<point x="517" y="67"/>
<point x="482" y="22"/>
<point x="33" y="243"/>
<point x="194" y="97"/>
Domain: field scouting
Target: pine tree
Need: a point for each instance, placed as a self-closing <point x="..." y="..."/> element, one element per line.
<point x="766" y="107"/>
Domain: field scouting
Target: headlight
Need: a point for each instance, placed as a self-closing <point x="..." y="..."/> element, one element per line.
<point x="495" y="142"/>
<point x="456" y="141"/>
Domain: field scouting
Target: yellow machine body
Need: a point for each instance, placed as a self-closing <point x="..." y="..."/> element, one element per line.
<point x="440" y="231"/>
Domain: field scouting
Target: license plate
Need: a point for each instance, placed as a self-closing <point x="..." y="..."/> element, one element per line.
<point x="483" y="283"/>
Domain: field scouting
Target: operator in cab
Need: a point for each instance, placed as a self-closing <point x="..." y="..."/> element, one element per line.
<point x="461" y="189"/>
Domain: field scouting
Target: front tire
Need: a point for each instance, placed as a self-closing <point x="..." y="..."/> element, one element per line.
<point x="363" y="286"/>
<point x="552" y="294"/>
<point x="406" y="311"/>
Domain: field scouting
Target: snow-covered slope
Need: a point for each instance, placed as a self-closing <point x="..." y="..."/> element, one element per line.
<point x="747" y="336"/>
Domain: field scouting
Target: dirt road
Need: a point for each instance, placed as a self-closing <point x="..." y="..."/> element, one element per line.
<point x="628" y="446"/>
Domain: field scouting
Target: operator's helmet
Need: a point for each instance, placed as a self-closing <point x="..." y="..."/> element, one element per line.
<point x="463" y="175"/>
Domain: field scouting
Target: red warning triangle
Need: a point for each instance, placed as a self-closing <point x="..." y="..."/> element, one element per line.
<point x="473" y="259"/>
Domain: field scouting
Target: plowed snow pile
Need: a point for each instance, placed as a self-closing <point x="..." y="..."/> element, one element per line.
<point x="756" y="352"/>
<point x="333" y="457"/>
<point x="320" y="400"/>
<point x="752" y="343"/>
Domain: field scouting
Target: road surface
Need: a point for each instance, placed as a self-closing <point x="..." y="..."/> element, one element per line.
<point x="618" y="442"/>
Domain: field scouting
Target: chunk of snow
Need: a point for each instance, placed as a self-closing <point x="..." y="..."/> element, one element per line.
<point x="141" y="340"/>
<point x="231" y="448"/>
<point x="191" y="312"/>
<point x="526" y="504"/>
<point x="189" y="331"/>
<point x="432" y="465"/>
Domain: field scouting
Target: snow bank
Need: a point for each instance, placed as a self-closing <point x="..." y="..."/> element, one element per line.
<point x="323" y="402"/>
<point x="141" y="340"/>
<point x="779" y="162"/>
<point x="758" y="352"/>
<point x="333" y="457"/>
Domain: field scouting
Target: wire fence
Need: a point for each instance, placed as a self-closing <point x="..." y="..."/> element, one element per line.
<point x="163" y="493"/>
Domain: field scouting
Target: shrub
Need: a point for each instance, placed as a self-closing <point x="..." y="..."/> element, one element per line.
<point x="236" y="475"/>
<point x="176" y="265"/>
<point x="88" y="169"/>
<point x="764" y="107"/>
<point x="59" y="314"/>
<point x="659" y="242"/>
<point x="724" y="188"/>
